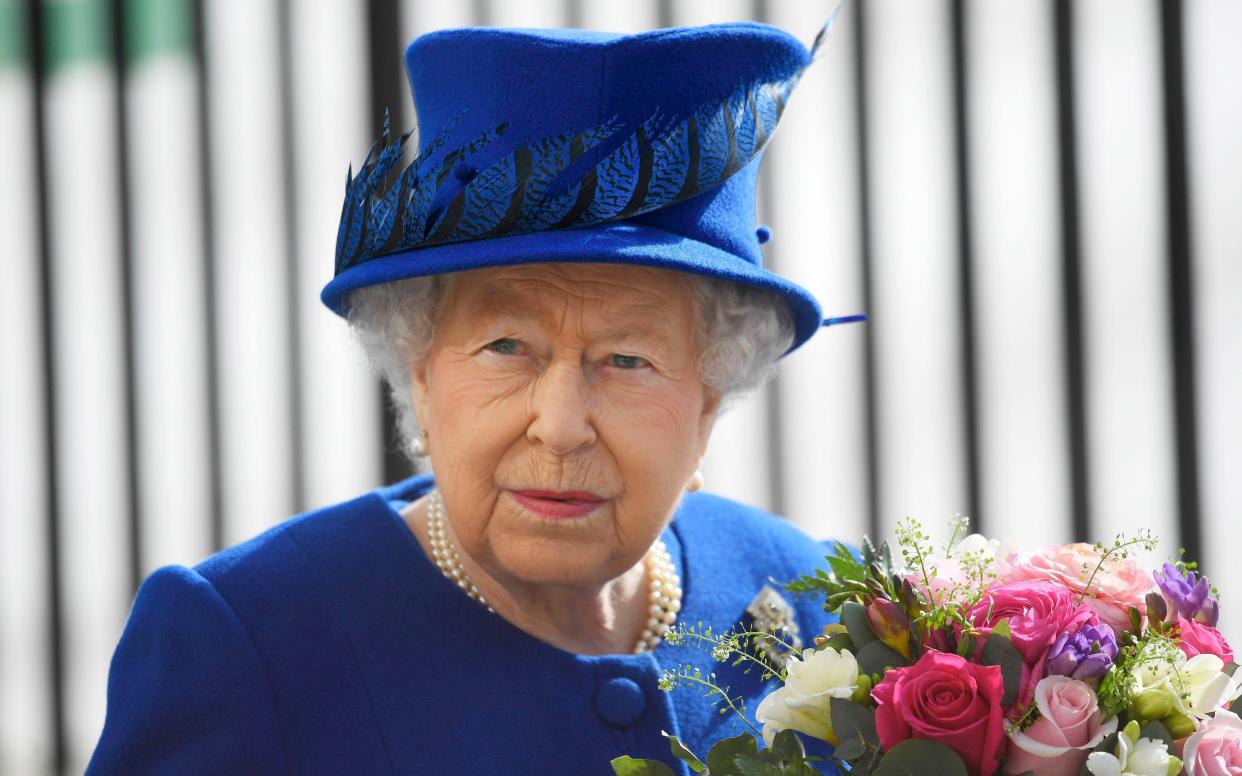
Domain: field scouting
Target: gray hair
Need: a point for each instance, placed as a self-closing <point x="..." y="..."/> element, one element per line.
<point x="742" y="332"/>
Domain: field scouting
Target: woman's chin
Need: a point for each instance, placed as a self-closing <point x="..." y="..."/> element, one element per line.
<point x="561" y="561"/>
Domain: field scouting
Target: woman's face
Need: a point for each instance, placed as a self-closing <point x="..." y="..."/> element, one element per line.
<point x="565" y="414"/>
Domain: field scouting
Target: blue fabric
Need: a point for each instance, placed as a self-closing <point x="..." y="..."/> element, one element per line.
<point x="483" y="93"/>
<point x="331" y="644"/>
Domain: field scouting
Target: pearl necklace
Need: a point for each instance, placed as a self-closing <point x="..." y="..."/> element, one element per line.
<point x="664" y="586"/>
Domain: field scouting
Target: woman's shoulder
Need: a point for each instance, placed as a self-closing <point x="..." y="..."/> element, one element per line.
<point x="297" y="541"/>
<point x="737" y="535"/>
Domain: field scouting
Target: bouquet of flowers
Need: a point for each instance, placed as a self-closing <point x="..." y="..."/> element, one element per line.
<point x="973" y="658"/>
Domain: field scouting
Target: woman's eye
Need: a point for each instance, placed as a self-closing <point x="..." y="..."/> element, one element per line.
<point x="504" y="346"/>
<point x="628" y="362"/>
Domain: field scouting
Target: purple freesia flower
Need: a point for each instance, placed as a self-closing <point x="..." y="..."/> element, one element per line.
<point x="1086" y="654"/>
<point x="1187" y="595"/>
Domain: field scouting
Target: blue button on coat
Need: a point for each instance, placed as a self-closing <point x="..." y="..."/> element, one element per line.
<point x="331" y="644"/>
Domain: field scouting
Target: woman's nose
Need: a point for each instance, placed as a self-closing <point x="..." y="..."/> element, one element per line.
<point x="560" y="413"/>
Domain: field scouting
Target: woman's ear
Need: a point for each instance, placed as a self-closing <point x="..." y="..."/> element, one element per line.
<point x="707" y="418"/>
<point x="419" y="390"/>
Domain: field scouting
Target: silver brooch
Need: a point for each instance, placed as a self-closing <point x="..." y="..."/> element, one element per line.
<point x="771" y="613"/>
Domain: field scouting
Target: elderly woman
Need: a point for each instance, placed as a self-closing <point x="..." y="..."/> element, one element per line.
<point x="563" y="291"/>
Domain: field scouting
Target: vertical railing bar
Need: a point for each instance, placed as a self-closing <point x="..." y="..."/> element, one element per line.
<point x="1181" y="279"/>
<point x="54" y="586"/>
<point x="297" y="440"/>
<point x="384" y="48"/>
<point x="133" y="468"/>
<point x="211" y="325"/>
<point x="1075" y="385"/>
<point x="966" y="278"/>
<point x="862" y="125"/>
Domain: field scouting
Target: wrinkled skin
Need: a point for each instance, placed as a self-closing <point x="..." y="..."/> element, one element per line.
<point x="564" y="377"/>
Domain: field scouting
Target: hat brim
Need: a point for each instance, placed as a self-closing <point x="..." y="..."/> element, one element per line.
<point x="613" y="243"/>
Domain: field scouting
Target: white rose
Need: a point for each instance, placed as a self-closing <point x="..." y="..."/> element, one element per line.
<point x="804" y="702"/>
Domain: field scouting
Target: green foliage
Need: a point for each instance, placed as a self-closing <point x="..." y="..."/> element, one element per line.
<point x="998" y="650"/>
<point x="689" y="676"/>
<point x="685" y="755"/>
<point x="854" y="725"/>
<point x="881" y="558"/>
<point x="845" y="580"/>
<point x="721" y="758"/>
<point x="787" y="746"/>
<point x="740" y="756"/>
<point x="1158" y="732"/>
<point x="837" y="641"/>
<point x="739" y="646"/>
<point x="876" y="657"/>
<point x="1153" y="646"/>
<point x="628" y="766"/>
<point x="916" y="757"/>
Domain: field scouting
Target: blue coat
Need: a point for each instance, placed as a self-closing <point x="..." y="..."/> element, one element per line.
<point x="330" y="644"/>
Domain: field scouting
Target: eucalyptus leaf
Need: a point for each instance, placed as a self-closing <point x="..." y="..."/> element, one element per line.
<point x="747" y="766"/>
<point x="1158" y="732"/>
<point x="1230" y="668"/>
<point x="1000" y="651"/>
<point x="750" y="766"/>
<point x="628" y="766"/>
<point x="720" y="760"/>
<point x="788" y="746"/>
<point x="850" y="749"/>
<point x="1109" y="745"/>
<point x="854" y="618"/>
<point x="685" y="755"/>
<point x="853" y="722"/>
<point x="876" y="656"/>
<point x="919" y="757"/>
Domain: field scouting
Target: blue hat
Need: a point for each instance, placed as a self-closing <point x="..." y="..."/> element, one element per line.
<point x="563" y="145"/>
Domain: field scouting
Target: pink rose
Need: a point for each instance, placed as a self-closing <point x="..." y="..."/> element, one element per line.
<point x="1199" y="639"/>
<point x="1117" y="586"/>
<point x="1037" y="613"/>
<point x="1215" y="749"/>
<point x="1068" y="728"/>
<point x="945" y="699"/>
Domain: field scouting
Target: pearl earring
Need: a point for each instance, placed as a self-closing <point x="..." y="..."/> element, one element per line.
<point x="696" y="481"/>
<point x="421" y="447"/>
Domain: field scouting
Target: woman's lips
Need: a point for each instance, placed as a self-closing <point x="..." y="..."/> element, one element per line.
<point x="558" y="504"/>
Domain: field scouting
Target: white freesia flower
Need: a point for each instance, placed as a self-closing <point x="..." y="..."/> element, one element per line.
<point x="1207" y="686"/>
<point x="1196" y="687"/>
<point x="803" y="703"/>
<point x="1135" y="757"/>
